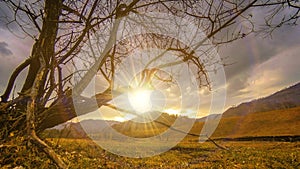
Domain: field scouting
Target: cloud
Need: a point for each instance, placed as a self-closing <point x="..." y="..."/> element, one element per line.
<point x="255" y="49"/>
<point x="4" y="50"/>
<point x="261" y="65"/>
<point x="18" y="50"/>
<point x="6" y="17"/>
<point x="280" y="71"/>
<point x="5" y="13"/>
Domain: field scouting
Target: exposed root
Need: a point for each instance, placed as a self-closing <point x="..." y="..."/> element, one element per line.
<point x="49" y="151"/>
<point x="217" y="145"/>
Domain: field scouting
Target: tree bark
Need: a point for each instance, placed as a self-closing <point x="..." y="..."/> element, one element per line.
<point x="45" y="45"/>
<point x="63" y="109"/>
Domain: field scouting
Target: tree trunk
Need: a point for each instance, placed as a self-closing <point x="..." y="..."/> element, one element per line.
<point x="12" y="116"/>
<point x="63" y="109"/>
<point x="44" y="47"/>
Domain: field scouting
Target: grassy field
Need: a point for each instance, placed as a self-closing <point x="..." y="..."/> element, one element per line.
<point x="82" y="153"/>
<point x="271" y="123"/>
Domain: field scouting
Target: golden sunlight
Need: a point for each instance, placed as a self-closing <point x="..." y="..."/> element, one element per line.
<point x="172" y="111"/>
<point x="140" y="100"/>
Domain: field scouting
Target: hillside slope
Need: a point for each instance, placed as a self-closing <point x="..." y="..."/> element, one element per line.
<point x="271" y="123"/>
<point x="286" y="98"/>
<point x="275" y="115"/>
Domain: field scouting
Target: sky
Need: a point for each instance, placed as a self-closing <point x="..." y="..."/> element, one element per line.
<point x="262" y="66"/>
<point x="257" y="66"/>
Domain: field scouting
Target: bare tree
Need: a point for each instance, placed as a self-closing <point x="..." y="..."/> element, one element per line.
<point x="63" y="29"/>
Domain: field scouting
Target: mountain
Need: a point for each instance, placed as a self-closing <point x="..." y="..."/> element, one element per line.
<point x="80" y="129"/>
<point x="284" y="99"/>
<point x="95" y="126"/>
<point x="275" y="115"/>
<point x="138" y="129"/>
<point x="284" y="122"/>
<point x="211" y="116"/>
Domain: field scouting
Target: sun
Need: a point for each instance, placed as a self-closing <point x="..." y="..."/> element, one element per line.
<point x="121" y="119"/>
<point x="172" y="111"/>
<point x="140" y="100"/>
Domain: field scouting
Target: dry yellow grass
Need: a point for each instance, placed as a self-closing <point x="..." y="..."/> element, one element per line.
<point x="271" y="123"/>
<point x="85" y="154"/>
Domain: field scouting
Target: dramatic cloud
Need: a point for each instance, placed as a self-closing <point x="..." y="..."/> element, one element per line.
<point x="4" y="50"/>
<point x="18" y="50"/>
<point x="263" y="79"/>
<point x="280" y="71"/>
<point x="5" y="14"/>
<point x="261" y="65"/>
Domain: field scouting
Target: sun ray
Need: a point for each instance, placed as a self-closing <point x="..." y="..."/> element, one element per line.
<point x="139" y="99"/>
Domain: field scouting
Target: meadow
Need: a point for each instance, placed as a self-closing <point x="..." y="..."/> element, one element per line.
<point x="84" y="153"/>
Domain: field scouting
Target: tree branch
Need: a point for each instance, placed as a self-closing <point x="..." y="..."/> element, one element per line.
<point x="166" y="125"/>
<point x="48" y="150"/>
<point x="12" y="79"/>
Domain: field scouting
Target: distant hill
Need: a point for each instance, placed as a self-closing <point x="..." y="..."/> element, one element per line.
<point x="149" y="129"/>
<point x="80" y="129"/>
<point x="95" y="126"/>
<point x="271" y="123"/>
<point x="275" y="115"/>
<point x="284" y="99"/>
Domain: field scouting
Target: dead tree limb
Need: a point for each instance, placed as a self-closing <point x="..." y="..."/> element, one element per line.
<point x="13" y="78"/>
